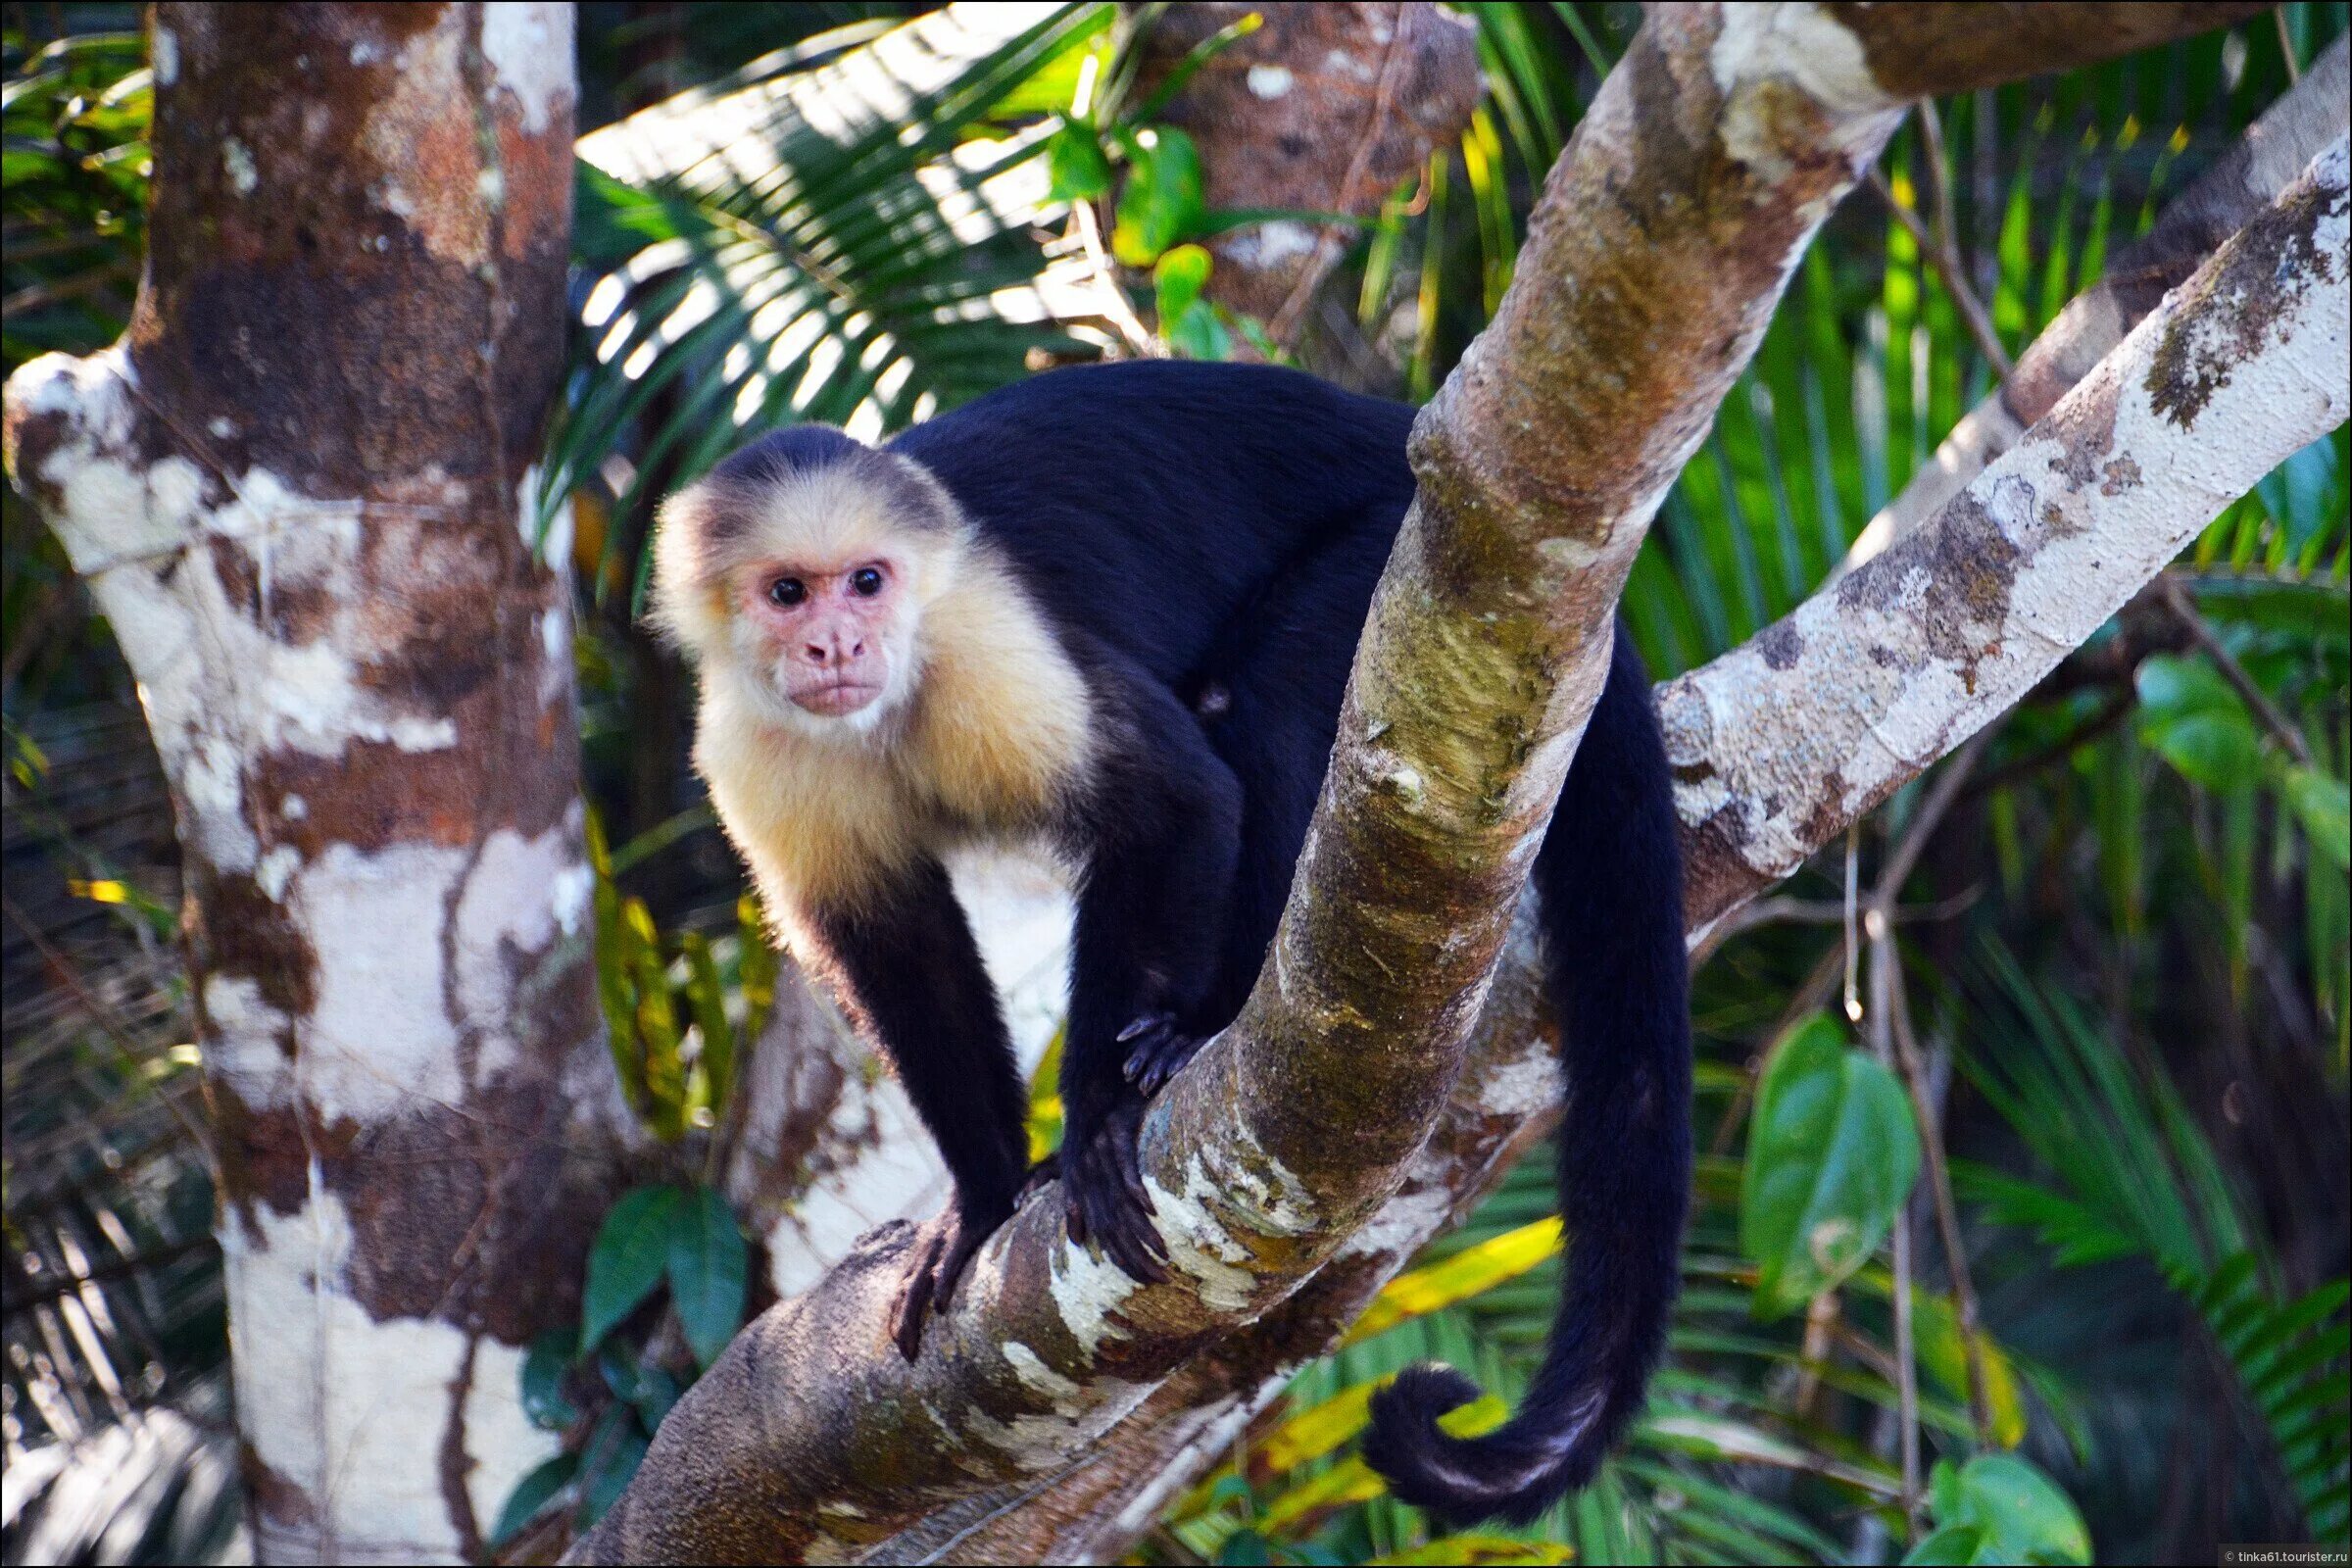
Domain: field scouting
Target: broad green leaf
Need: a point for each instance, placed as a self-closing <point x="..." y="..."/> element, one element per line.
<point x="1952" y="1544"/>
<point x="2019" y="1514"/>
<point x="1161" y="204"/>
<point x="2324" y="805"/>
<point x="533" y="1494"/>
<point x="2189" y="716"/>
<point x="1177" y="279"/>
<point x="1468" y="1272"/>
<point x="707" y="1263"/>
<point x="610" y="1461"/>
<point x="631" y="1251"/>
<point x="1075" y="163"/>
<point x="1199" y="333"/>
<point x="1466" y="1550"/>
<point x="1830" y="1159"/>
<point x="1246" y="1549"/>
<point x="543" y="1398"/>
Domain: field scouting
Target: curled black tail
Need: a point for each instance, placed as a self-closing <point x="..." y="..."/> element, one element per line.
<point x="1610" y="877"/>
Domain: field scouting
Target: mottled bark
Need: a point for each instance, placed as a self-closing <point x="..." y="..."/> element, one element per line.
<point x="2224" y="198"/>
<point x="1779" y="744"/>
<point x="1653" y="259"/>
<point x="1325" y="108"/>
<point x="299" y="488"/>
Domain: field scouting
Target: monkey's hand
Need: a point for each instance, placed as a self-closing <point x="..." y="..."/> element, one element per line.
<point x="1156" y="1050"/>
<point x="943" y="1249"/>
<point x="1103" y="1192"/>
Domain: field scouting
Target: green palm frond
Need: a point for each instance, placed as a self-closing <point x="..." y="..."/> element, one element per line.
<point x="845" y="239"/>
<point x="2135" y="1177"/>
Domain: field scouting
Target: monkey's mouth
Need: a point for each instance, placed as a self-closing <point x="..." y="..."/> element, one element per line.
<point x="837" y="699"/>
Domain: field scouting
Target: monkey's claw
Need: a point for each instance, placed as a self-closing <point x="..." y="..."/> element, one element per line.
<point x="1156" y="1051"/>
<point x="1103" y="1198"/>
<point x="943" y="1249"/>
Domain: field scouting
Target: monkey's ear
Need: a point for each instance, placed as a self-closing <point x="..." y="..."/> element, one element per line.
<point x="686" y="604"/>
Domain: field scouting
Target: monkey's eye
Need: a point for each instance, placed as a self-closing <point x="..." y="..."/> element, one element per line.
<point x="787" y="591"/>
<point x="865" y="582"/>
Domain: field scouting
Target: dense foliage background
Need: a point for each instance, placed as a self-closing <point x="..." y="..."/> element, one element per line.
<point x="2110" y="1189"/>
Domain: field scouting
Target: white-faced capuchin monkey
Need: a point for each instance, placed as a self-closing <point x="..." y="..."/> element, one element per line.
<point x="1113" y="609"/>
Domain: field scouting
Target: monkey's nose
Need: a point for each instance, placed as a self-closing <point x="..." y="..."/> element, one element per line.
<point x="830" y="652"/>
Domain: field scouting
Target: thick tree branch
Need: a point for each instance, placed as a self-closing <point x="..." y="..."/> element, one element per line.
<point x="2276" y="295"/>
<point x="2275" y="149"/>
<point x="1824" y="714"/>
<point x="1654" y="257"/>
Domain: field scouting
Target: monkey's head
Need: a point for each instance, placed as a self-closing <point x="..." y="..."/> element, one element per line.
<point x="799" y="571"/>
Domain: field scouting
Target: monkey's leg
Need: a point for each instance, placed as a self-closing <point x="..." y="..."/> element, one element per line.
<point x="910" y="971"/>
<point x="1163" y="825"/>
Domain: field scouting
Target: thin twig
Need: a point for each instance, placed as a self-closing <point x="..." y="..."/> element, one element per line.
<point x="1820" y="912"/>
<point x="2111" y="714"/>
<point x="1402" y="38"/>
<point x="1891" y="1034"/>
<point x="1906" y="1365"/>
<point x="2184" y="609"/>
<point x="1936" y="242"/>
<point x="1805" y="1001"/>
<point x="1912" y="1063"/>
<point x="1107" y="283"/>
<point x="2286" y="47"/>
<point x="103" y="1014"/>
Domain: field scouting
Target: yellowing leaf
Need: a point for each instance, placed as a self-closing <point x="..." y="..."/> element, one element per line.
<point x="105" y="891"/>
<point x="1317" y="1430"/>
<point x="1350" y="1481"/>
<point x="1467" y="1273"/>
<point x="1487" y="1550"/>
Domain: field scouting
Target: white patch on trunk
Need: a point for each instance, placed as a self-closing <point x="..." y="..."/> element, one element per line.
<point x="1086" y="1290"/>
<point x="350" y="1410"/>
<point x="1199" y="1244"/>
<point x="242" y="1044"/>
<point x="1801" y="43"/>
<point x="217" y="684"/>
<point x="1766" y="47"/>
<point x="529" y="49"/>
<point x="1521" y="1087"/>
<point x="1403" y="1222"/>
<point x="509" y="913"/>
<point x="1031" y="1369"/>
<point x="380" y="1039"/>
<point x="1264" y="246"/>
<point x="237" y="159"/>
<point x="1269" y="82"/>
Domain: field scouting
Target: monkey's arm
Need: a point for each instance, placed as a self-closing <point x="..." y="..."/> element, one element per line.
<point x="1164" y="838"/>
<point x="909" y="970"/>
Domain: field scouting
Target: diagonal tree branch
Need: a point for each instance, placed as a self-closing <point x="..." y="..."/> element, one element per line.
<point x="2274" y="149"/>
<point x="1654" y="257"/>
<point x="2277" y="294"/>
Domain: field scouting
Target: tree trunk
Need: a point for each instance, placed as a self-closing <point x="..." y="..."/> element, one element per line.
<point x="1324" y="107"/>
<point x="301" y="488"/>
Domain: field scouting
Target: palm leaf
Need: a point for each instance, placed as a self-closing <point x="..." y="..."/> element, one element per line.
<point x="846" y="241"/>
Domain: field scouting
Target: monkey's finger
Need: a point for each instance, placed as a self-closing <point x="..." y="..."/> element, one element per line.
<point x="1145" y="1025"/>
<point x="914" y="1302"/>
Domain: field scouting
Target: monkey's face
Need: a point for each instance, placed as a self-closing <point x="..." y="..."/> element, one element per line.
<point x="827" y="636"/>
